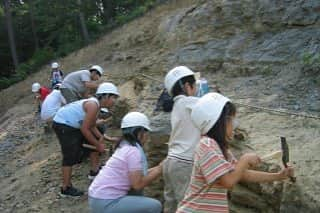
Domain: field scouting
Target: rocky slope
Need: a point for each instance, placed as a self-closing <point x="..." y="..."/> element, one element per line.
<point x="260" y="52"/>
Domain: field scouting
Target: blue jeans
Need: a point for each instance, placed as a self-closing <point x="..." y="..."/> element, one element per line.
<point x="126" y="204"/>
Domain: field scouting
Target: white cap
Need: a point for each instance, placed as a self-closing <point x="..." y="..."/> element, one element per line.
<point x="206" y="112"/>
<point x="108" y="88"/>
<point x="57" y="86"/>
<point x="135" y="119"/>
<point x="35" y="87"/>
<point x="54" y="65"/>
<point x="97" y="68"/>
<point x="175" y="75"/>
<point x="104" y="110"/>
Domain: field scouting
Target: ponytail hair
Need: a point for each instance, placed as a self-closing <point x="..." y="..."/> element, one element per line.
<point x="219" y="129"/>
<point x="130" y="134"/>
<point x="178" y="86"/>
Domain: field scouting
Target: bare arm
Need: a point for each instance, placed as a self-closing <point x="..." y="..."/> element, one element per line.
<point x="96" y="132"/>
<point x="112" y="139"/>
<point x="91" y="84"/>
<point x="103" y="121"/>
<point x="230" y="179"/>
<point x="138" y="181"/>
<point x="88" y="127"/>
<point x="258" y="176"/>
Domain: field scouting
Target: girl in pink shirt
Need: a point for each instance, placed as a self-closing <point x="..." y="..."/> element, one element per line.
<point x="119" y="184"/>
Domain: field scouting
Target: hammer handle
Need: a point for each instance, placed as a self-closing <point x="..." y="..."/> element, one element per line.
<point x="91" y="147"/>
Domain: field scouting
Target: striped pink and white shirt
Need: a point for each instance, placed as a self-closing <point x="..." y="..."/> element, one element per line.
<point x="204" y="193"/>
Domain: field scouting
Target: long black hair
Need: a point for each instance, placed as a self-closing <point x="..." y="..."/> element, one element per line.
<point x="218" y="131"/>
<point x="178" y="86"/>
<point x="130" y="134"/>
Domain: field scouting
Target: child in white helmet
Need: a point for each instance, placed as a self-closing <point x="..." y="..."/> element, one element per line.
<point x="56" y="74"/>
<point x="76" y="84"/>
<point x="52" y="104"/>
<point x="215" y="170"/>
<point x="119" y="184"/>
<point x="75" y="123"/>
<point x="40" y="93"/>
<point x="180" y="83"/>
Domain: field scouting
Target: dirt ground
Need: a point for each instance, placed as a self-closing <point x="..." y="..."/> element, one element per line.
<point x="30" y="160"/>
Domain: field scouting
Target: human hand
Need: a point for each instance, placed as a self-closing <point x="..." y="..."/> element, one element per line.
<point x="112" y="139"/>
<point x="287" y="172"/>
<point x="115" y="139"/>
<point x="252" y="159"/>
<point x="101" y="147"/>
<point x="162" y="162"/>
<point x="101" y="139"/>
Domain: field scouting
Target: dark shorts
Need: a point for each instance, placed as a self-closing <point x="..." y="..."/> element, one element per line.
<point x="69" y="95"/>
<point x="71" y="140"/>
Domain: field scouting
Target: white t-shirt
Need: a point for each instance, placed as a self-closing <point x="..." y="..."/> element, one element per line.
<point x="184" y="135"/>
<point x="51" y="104"/>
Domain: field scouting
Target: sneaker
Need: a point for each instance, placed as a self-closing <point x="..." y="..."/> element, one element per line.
<point x="71" y="191"/>
<point x="92" y="174"/>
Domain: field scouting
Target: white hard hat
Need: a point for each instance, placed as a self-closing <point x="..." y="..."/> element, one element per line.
<point x="35" y="87"/>
<point x="57" y="86"/>
<point x="54" y="65"/>
<point x="206" y="112"/>
<point x="104" y="110"/>
<point x="135" y="119"/>
<point x="175" y="75"/>
<point x="97" y="68"/>
<point x="108" y="88"/>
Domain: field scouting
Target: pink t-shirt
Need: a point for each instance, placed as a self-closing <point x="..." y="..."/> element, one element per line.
<point x="113" y="181"/>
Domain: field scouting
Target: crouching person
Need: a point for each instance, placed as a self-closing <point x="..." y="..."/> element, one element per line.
<point x="76" y="122"/>
<point x="126" y="171"/>
<point x="50" y="106"/>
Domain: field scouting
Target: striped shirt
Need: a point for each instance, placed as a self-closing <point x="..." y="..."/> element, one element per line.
<point x="204" y="193"/>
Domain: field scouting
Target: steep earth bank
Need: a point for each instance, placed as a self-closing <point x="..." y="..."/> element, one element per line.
<point x="263" y="53"/>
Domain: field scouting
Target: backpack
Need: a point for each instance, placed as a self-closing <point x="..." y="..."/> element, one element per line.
<point x="165" y="102"/>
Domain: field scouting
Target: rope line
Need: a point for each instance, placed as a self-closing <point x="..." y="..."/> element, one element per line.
<point x="278" y="111"/>
<point x="256" y="107"/>
<point x="146" y="76"/>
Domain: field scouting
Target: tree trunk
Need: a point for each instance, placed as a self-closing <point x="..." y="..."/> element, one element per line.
<point x="33" y="26"/>
<point x="11" y="33"/>
<point x="108" y="11"/>
<point x="83" y="24"/>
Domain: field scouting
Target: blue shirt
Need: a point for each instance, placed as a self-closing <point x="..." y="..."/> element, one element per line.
<point x="73" y="113"/>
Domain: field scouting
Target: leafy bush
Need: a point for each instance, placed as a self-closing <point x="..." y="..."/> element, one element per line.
<point x="311" y="66"/>
<point x="40" y="57"/>
<point x="58" y="31"/>
<point x="311" y="59"/>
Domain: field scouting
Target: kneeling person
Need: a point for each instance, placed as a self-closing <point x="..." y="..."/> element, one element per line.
<point x="119" y="184"/>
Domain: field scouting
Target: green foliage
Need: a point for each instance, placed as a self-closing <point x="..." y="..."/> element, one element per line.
<point x="311" y="66"/>
<point x="46" y="31"/>
<point x="311" y="59"/>
<point x="267" y="70"/>
<point x="40" y="57"/>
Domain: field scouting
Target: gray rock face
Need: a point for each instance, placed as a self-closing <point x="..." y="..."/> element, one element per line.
<point x="263" y="52"/>
<point x="243" y="31"/>
<point x="267" y="52"/>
